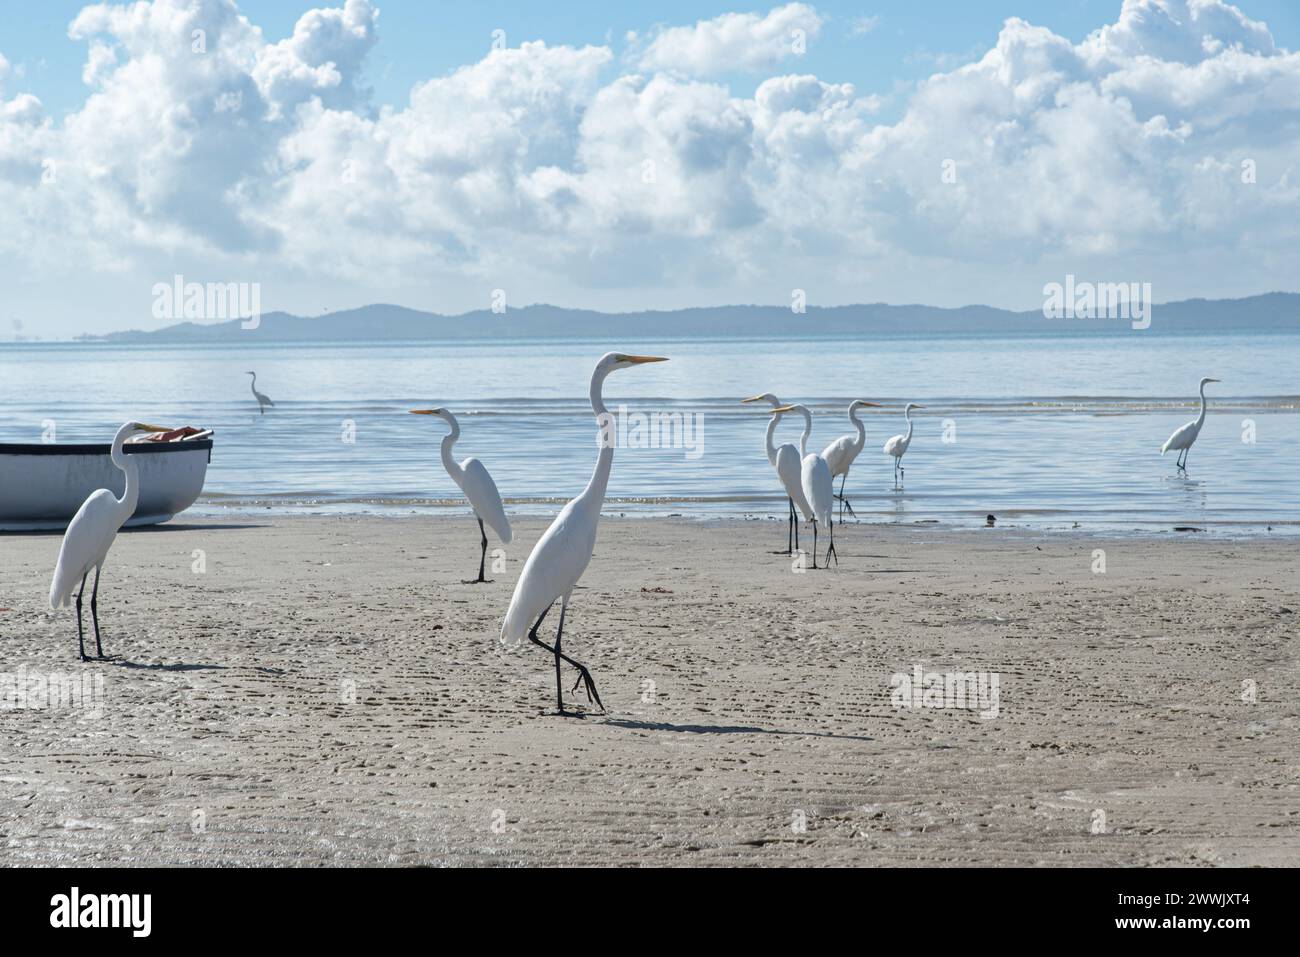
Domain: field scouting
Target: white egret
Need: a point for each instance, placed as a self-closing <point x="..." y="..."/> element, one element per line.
<point x="818" y="489"/>
<point x="479" y="489"/>
<point x="561" y="555"/>
<point x="898" y="444"/>
<point x="91" y="534"/>
<point x="839" y="455"/>
<point x="1182" y="439"/>
<point x="785" y="459"/>
<point x="263" y="400"/>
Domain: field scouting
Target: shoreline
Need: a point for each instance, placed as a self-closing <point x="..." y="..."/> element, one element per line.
<point x="1016" y="520"/>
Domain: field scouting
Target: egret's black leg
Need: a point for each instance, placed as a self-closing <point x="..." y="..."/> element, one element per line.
<point x="81" y="640"/>
<point x="830" y="552"/>
<point x="814" y="564"/>
<point x="583" y="676"/>
<point x="94" y="614"/>
<point x="902" y="475"/>
<point x="482" y="558"/>
<point x="789" y="538"/>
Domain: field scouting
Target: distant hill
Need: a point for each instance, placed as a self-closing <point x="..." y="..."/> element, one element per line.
<point x="1272" y="312"/>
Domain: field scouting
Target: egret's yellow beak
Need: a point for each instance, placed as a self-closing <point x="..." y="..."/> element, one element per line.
<point x="784" y="408"/>
<point x="752" y="398"/>
<point x="426" y="411"/>
<point x="874" y="405"/>
<point x="918" y="407"/>
<point x="640" y="359"/>
<point x="144" y="427"/>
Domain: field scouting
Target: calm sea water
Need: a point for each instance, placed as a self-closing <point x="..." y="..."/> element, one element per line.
<point x="1048" y="432"/>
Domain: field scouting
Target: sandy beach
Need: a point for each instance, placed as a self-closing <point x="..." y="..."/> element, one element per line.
<point x="325" y="691"/>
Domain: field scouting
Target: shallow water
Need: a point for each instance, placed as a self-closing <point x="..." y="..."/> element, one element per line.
<point x="1045" y="432"/>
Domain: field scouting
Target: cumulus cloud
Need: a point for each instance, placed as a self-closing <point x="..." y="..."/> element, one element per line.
<point x="550" y="167"/>
<point x="733" y="41"/>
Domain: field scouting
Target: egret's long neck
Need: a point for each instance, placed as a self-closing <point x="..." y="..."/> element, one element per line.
<point x="253" y="385"/>
<point x="862" y="429"/>
<point x="771" y="444"/>
<point x="594" y="493"/>
<point x="807" y="431"/>
<point x="131" y="494"/>
<point x="1201" y="418"/>
<point x="450" y="464"/>
<point x="907" y="414"/>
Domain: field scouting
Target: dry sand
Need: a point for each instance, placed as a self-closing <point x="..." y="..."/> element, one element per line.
<point x="327" y="692"/>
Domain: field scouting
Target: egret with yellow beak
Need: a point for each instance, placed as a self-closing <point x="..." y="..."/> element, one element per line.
<point x="564" y="550"/>
<point x="839" y="455"/>
<point x="91" y="534"/>
<point x="480" y="491"/>
<point x="785" y="460"/>
<point x="898" y="444"/>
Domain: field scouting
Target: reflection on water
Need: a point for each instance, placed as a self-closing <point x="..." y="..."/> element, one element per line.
<point x="1044" y="432"/>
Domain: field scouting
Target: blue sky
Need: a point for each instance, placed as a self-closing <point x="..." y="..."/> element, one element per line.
<point x="421" y="39"/>
<point x="357" y="151"/>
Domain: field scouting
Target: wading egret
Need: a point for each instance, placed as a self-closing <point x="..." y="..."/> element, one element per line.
<point x="897" y="444"/>
<point x="263" y="400"/>
<point x="1182" y="439"/>
<point x="479" y="489"/>
<point x="839" y="455"/>
<point x="561" y="555"/>
<point x="818" y="489"/>
<point x="785" y="460"/>
<point x="91" y="533"/>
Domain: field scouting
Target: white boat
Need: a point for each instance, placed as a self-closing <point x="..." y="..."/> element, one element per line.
<point x="42" y="486"/>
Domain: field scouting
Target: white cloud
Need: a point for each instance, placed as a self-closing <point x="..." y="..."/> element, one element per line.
<point x="733" y="41"/>
<point x="547" y="169"/>
<point x="861" y="25"/>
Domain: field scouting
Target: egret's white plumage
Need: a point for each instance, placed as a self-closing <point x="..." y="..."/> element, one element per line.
<point x="818" y="489"/>
<point x="476" y="483"/>
<point x="561" y="556"/>
<point x="784" y="460"/>
<point x="839" y="455"/>
<point x="1183" y="437"/>
<point x="897" y="445"/>
<point x="262" y="400"/>
<point x="93" y="530"/>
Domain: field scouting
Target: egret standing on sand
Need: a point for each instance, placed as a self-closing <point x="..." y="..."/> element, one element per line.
<point x="786" y="459"/>
<point x="818" y="489"/>
<point x="1182" y="439"/>
<point x="898" y="444"/>
<point x="564" y="550"/>
<point x="478" y="487"/>
<point x="263" y="400"/>
<point x="839" y="455"/>
<point x="91" y="534"/>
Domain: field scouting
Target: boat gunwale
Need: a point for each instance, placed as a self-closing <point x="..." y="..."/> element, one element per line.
<point x="131" y="448"/>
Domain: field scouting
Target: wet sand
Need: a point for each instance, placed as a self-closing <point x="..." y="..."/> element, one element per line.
<point x="326" y="691"/>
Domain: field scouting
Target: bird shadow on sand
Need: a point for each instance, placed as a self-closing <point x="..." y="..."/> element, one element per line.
<point x="725" y="729"/>
<point x="178" y="666"/>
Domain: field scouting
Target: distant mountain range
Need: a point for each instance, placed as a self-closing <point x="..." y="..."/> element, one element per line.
<point x="1272" y="312"/>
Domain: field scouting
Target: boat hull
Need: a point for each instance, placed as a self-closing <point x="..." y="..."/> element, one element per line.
<point x="42" y="486"/>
